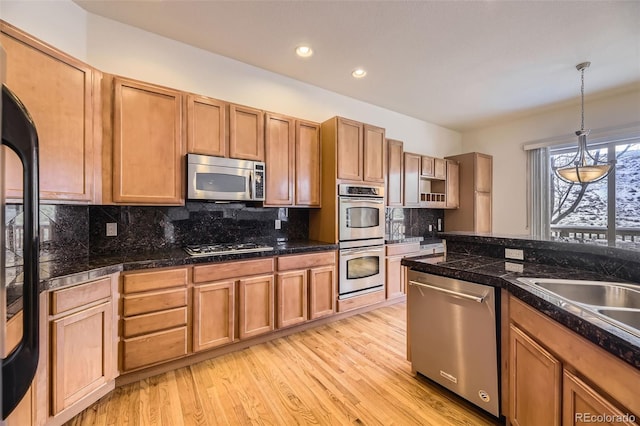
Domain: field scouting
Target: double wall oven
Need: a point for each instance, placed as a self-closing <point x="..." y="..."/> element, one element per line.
<point x="361" y="235"/>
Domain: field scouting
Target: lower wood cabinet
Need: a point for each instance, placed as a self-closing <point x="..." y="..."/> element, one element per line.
<point x="255" y="306"/>
<point x="154" y="322"/>
<point x="305" y="287"/>
<point x="213" y="315"/>
<point x="395" y="272"/>
<point x="82" y="344"/>
<point x="558" y="377"/>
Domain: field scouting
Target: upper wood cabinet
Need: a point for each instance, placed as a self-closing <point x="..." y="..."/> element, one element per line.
<point x="148" y="146"/>
<point x="475" y="206"/>
<point x="395" y="177"/>
<point x="292" y="159"/>
<point x="246" y="133"/>
<point x="206" y="126"/>
<point x="350" y="152"/>
<point x="432" y="167"/>
<point x="61" y="95"/>
<point x="374" y="154"/>
<point x="412" y="179"/>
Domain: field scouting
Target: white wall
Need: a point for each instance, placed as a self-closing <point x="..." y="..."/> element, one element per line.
<point x="121" y="49"/>
<point x="505" y="142"/>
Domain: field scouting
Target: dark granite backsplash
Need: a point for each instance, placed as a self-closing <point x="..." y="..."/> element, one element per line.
<point x="150" y="228"/>
<point x="72" y="232"/>
<point x="414" y="222"/>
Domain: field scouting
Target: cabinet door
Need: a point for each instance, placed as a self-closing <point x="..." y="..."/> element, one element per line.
<point x="81" y="354"/>
<point x="411" y="179"/>
<point x="483" y="172"/>
<point x="280" y="161"/>
<point x="246" y="133"/>
<point x="374" y="158"/>
<point x="395" y="281"/>
<point x="322" y="291"/>
<point x="395" y="162"/>
<point x="308" y="164"/>
<point x="59" y="92"/>
<point x="291" y="289"/>
<point x="213" y="315"/>
<point x="534" y="385"/>
<point x="452" y="200"/>
<point x="206" y="126"/>
<point x="147" y="144"/>
<point x="482" y="213"/>
<point x="154" y="348"/>
<point x="439" y="168"/>
<point x="581" y="404"/>
<point x="255" y="306"/>
<point x="427" y="165"/>
<point x="350" y="149"/>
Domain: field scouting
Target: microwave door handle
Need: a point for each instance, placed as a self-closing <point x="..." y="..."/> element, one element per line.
<point x="251" y="185"/>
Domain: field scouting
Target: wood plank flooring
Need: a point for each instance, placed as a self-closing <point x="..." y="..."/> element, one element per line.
<point x="353" y="371"/>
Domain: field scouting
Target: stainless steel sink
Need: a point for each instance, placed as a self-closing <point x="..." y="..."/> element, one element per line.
<point x="616" y="303"/>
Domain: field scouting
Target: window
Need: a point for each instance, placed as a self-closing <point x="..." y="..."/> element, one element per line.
<point x="605" y="213"/>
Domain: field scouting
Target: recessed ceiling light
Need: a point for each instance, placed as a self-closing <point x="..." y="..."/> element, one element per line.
<point x="304" y="51"/>
<point x="359" y="73"/>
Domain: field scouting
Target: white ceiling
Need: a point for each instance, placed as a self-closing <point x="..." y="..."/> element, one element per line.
<point x="458" y="64"/>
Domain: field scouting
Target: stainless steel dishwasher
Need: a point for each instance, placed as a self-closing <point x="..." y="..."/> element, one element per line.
<point x="452" y="327"/>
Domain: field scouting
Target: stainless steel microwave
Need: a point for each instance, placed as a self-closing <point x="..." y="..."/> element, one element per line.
<point x="224" y="179"/>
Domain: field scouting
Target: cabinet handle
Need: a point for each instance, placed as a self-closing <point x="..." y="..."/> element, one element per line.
<point x="478" y="299"/>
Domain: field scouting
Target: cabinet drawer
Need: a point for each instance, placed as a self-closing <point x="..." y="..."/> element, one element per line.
<point x="152" y="302"/>
<point x="156" y="280"/>
<point x="149" y="323"/>
<point x="232" y="270"/>
<point x="305" y="261"/>
<point x="84" y="294"/>
<point x="154" y="348"/>
<point x="397" y="249"/>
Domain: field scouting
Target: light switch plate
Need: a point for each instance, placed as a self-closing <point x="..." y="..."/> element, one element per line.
<point x="278" y="224"/>
<point x="112" y="229"/>
<point x="513" y="267"/>
<point x="516" y="254"/>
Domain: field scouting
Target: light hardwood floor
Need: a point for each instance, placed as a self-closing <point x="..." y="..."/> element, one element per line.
<point x="353" y="371"/>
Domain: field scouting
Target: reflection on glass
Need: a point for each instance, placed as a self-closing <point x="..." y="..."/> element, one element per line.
<point x="363" y="217"/>
<point x="362" y="267"/>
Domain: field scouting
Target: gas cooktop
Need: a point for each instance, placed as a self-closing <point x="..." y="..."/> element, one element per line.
<point x="217" y="249"/>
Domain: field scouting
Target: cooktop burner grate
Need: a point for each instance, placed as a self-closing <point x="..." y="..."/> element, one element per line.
<point x="217" y="249"/>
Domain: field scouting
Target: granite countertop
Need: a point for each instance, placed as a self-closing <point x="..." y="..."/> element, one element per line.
<point x="61" y="273"/>
<point x="503" y="273"/>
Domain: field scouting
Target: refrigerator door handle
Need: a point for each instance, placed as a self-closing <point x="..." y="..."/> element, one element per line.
<point x="18" y="369"/>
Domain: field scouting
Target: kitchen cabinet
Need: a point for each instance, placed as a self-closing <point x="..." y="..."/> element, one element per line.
<point x="292" y="162"/>
<point x="246" y="133"/>
<point x="154" y="317"/>
<point x="213" y="314"/>
<point x="148" y="145"/>
<point x="234" y="299"/>
<point x="83" y="344"/>
<point x="305" y="287"/>
<point x="434" y="168"/>
<point x="255" y="306"/>
<point x="555" y="374"/>
<point x="475" y="194"/>
<point x="62" y="97"/>
<point x="374" y="154"/>
<point x="395" y="272"/>
<point x="412" y="163"/>
<point x="207" y="126"/>
<point x="444" y="193"/>
<point x="395" y="176"/>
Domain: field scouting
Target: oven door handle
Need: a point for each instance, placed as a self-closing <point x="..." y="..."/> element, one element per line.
<point x="362" y="200"/>
<point x="478" y="299"/>
<point x="351" y="253"/>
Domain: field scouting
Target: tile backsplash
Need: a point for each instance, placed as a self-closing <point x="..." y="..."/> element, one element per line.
<point x="406" y="222"/>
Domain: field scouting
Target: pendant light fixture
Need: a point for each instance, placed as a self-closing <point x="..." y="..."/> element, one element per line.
<point x="583" y="168"/>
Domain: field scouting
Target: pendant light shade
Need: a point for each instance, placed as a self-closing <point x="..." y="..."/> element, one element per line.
<point x="583" y="167"/>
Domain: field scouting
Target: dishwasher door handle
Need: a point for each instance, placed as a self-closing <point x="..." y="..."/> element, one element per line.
<point x="478" y="299"/>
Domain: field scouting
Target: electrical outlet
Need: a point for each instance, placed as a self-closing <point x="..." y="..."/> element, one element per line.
<point x="439" y="224"/>
<point x="112" y="229"/>
<point x="430" y="228"/>
<point x="516" y="254"/>
<point x="278" y="224"/>
<point x="513" y="267"/>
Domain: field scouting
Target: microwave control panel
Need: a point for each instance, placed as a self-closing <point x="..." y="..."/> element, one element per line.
<point x="259" y="182"/>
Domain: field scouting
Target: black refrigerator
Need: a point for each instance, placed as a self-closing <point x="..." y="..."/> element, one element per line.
<point x="19" y="135"/>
